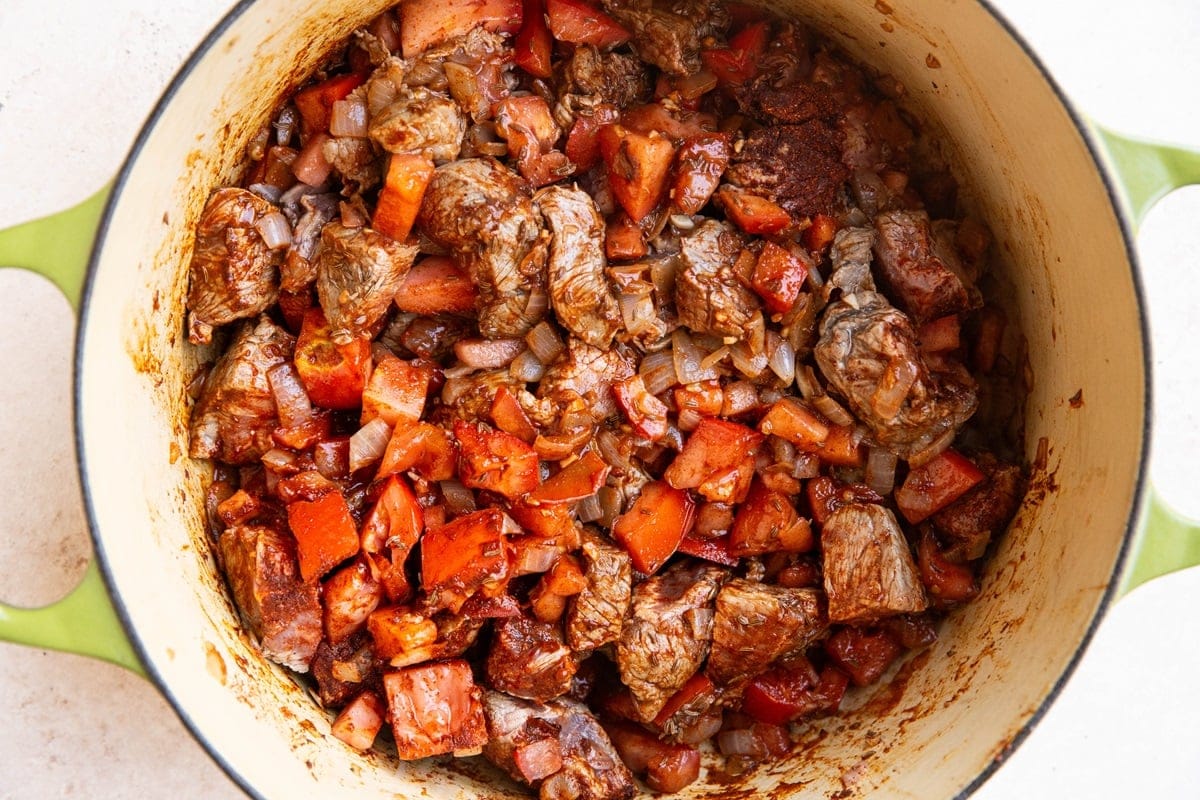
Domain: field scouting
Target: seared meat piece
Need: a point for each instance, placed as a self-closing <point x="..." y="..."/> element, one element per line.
<point x="596" y="615"/>
<point x="471" y="396"/>
<point x="558" y="744"/>
<point x="851" y="257"/>
<point x="782" y="98"/>
<point x="667" y="634"/>
<point x="910" y="270"/>
<point x="309" y="216"/>
<point x="589" y="372"/>
<point x="579" y="291"/>
<point x="355" y="160"/>
<point x="710" y="296"/>
<point x="359" y="272"/>
<point x="591" y="77"/>
<point x="797" y="166"/>
<point x="529" y="659"/>
<point x="482" y="211"/>
<point x="968" y="524"/>
<point x="234" y="417"/>
<point x="669" y="33"/>
<point x="330" y="660"/>
<point x="423" y="122"/>
<point x="755" y="623"/>
<point x="868" y="353"/>
<point x="868" y="567"/>
<point x="281" y="610"/>
<point x="233" y="275"/>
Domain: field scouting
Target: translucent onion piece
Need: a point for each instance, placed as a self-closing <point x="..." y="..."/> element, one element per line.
<point x="658" y="371"/>
<point x="588" y="509"/>
<point x="637" y="312"/>
<point x="275" y="230"/>
<point x="662" y="275"/>
<point x="310" y="166"/>
<point x="527" y="367"/>
<point x="538" y="302"/>
<point x="545" y="342"/>
<point x="880" y="473"/>
<point x="806" y="382"/>
<point x="380" y="94"/>
<point x="741" y="742"/>
<point x="488" y="353"/>
<point x="349" y="118"/>
<point x="368" y="443"/>
<point x="687" y="359"/>
<point x="749" y="364"/>
<point x="935" y="449"/>
<point x="459" y="499"/>
<point x="285" y="125"/>
<point x="783" y="358"/>
<point x="277" y="460"/>
<point x="832" y="410"/>
<point x="897" y="379"/>
<point x="715" y="357"/>
<point x="536" y="558"/>
<point x="291" y="400"/>
<point x="610" y="505"/>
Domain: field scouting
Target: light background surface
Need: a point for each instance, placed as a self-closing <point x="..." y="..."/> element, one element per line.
<point x="77" y="80"/>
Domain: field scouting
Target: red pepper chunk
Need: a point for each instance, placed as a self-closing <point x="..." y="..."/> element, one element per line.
<point x="826" y="495"/>
<point x="395" y="391"/>
<point x="583" y="142"/>
<point x="638" y="167"/>
<point x="423" y="448"/>
<point x="334" y="375"/>
<point x="533" y="46"/>
<point x="714" y="550"/>
<point x="464" y="556"/>
<point x="425" y="23"/>
<point x="791" y="420"/>
<point x="947" y="582"/>
<point x="315" y="103"/>
<point x="699" y="165"/>
<point x="781" y="695"/>
<point x="395" y="521"/>
<point x="401" y="195"/>
<point x="863" y="653"/>
<point x="768" y="522"/>
<point x="436" y="285"/>
<point x="936" y="484"/>
<point x="576" y="22"/>
<point x="435" y="709"/>
<point x="496" y="461"/>
<point x="820" y="233"/>
<point x="652" y="529"/>
<point x="325" y="533"/>
<point x="582" y="478"/>
<point x="668" y="767"/>
<point x="778" y="278"/>
<point x="360" y="721"/>
<point x="714" y="449"/>
<point x="752" y="213"/>
<point x="645" y="412"/>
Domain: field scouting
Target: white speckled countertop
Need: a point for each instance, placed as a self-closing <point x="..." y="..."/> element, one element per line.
<point x="76" y="81"/>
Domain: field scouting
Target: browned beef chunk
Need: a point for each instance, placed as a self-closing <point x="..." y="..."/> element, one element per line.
<point x="580" y="293"/>
<point x="596" y="614"/>
<point x="910" y="270"/>
<point x="669" y="33"/>
<point x="341" y="669"/>
<point x="309" y="213"/>
<point x="797" y="166"/>
<point x="422" y="122"/>
<point x="456" y="634"/>
<point x="868" y="353"/>
<point x="851" y="259"/>
<point x="359" y="272"/>
<point x="281" y="610"/>
<point x="234" y="275"/>
<point x="471" y="396"/>
<point x="482" y="211"/>
<point x="589" y="372"/>
<point x="781" y="98"/>
<point x="710" y="296"/>
<point x="668" y="632"/>
<point x="868" y="567"/>
<point x="235" y="415"/>
<point x="529" y="659"/>
<point x="755" y="623"/>
<point x="557" y="746"/>
<point x="968" y="524"/>
<point x="355" y="161"/>
<point x="591" y="77"/>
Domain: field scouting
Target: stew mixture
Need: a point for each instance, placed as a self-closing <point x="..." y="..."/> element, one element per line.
<point x="595" y="383"/>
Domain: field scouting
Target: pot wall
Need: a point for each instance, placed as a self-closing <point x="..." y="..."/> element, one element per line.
<point x="1063" y="256"/>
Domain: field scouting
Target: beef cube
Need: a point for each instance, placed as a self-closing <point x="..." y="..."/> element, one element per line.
<point x="669" y="35"/>
<point x="755" y="623"/>
<point x="281" y="610"/>
<point x="868" y="567"/>
<point x="596" y="615"/>
<point x="968" y="524"/>
<point x="710" y="296"/>
<point x="910" y="270"/>
<point x="342" y="669"/>
<point x="797" y="166"/>
<point x="590" y="373"/>
<point x="359" y="272"/>
<point x="529" y="659"/>
<point x="435" y="709"/>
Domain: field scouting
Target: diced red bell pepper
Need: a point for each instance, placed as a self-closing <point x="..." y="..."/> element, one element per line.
<point x="714" y="550"/>
<point x="425" y="23"/>
<point x="714" y="448"/>
<point x="315" y="103"/>
<point x="325" y="533"/>
<point x="395" y="521"/>
<point x="308" y="433"/>
<point x="668" y="767"/>
<point x="820" y="233"/>
<point x="729" y="485"/>
<point x="699" y="165"/>
<point x="360" y="721"/>
<point x="496" y="461"/>
<point x="791" y="420"/>
<point x="547" y="522"/>
<point x="678" y="126"/>
<point x="863" y="653"/>
<point x="400" y="198"/>
<point x="738" y="63"/>
<point x="583" y="143"/>
<point x="436" y="285"/>
<point x="395" y="391"/>
<point x="510" y="417"/>
<point x="778" y="278"/>
<point x="435" y="709"/>
<point x="947" y="582"/>
<point x="936" y="484"/>
<point x="533" y="46"/>
<point x="334" y="375"/>
<point x="752" y="213"/>
<point x="465" y="555"/>
<point x="986" y="349"/>
<point x="782" y="695"/>
<point x="582" y="478"/>
<point x="826" y="495"/>
<point x="624" y="239"/>
<point x="426" y="449"/>
<point x="348" y="597"/>
<point x="652" y="529"/>
<point x="400" y="633"/>
<point x="842" y="447"/>
<point x="389" y="570"/>
<point x="577" y="22"/>
<point x="768" y="522"/>
<point x="638" y="166"/>
<point x="645" y="412"/>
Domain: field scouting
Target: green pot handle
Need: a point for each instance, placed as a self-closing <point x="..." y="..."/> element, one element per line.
<point x="1146" y="172"/>
<point x="85" y="621"/>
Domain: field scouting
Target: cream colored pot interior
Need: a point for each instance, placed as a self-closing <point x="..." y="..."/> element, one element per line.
<point x="931" y="734"/>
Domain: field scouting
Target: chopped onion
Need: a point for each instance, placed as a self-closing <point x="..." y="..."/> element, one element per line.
<point x="368" y="443"/>
<point x="526" y="367"/>
<point x="610" y="505"/>
<point x="545" y="342"/>
<point x="482" y="139"/>
<point x="285" y="124"/>
<point x="458" y="371"/>
<point x="459" y="499"/>
<point x="609" y="446"/>
<point x="588" y="509"/>
<point x="291" y="400"/>
<point x="637" y="311"/>
<point x="881" y="470"/>
<point x="689" y="418"/>
<point x="536" y="557"/>
<point x="897" y="379"/>
<point x="935" y="449"/>
<point x="783" y="358"/>
<point x="332" y="457"/>
<point x="715" y="357"/>
<point x="272" y="194"/>
<point x="658" y="371"/>
<point x="279" y="461"/>
<point x="488" y="353"/>
<point x="662" y="274"/>
<point x="349" y="118"/>
<point x="381" y="93"/>
<point x="311" y="166"/>
<point x="688" y="356"/>
<point x="749" y="364"/>
<point x="537" y="304"/>
<point x="808" y="465"/>
<point x="806" y="381"/>
<point x="741" y="742"/>
<point x="831" y="410"/>
<point x="783" y="451"/>
<point x="558" y="446"/>
<point x="275" y="230"/>
<point x="682" y="222"/>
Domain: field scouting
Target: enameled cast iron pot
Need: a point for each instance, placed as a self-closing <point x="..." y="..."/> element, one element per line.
<point x="1062" y="198"/>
